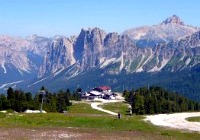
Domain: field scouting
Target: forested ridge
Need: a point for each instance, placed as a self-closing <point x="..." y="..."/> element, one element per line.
<point x="20" y="101"/>
<point x="154" y="100"/>
<point x="145" y="100"/>
<point x="185" y="83"/>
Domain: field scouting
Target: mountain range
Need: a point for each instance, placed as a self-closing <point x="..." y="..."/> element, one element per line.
<point x="166" y="54"/>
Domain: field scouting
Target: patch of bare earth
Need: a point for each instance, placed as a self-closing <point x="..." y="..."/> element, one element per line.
<point x="176" y="120"/>
<point x="72" y="134"/>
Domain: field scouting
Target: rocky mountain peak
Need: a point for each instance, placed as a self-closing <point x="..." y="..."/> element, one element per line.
<point x="91" y="39"/>
<point x="159" y="48"/>
<point x="171" y="29"/>
<point x="173" y="20"/>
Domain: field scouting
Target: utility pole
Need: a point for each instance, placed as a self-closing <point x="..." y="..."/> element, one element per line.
<point x="42" y="92"/>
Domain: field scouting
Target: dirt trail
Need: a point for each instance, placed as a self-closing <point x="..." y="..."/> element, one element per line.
<point x="176" y="120"/>
<point x="95" y="105"/>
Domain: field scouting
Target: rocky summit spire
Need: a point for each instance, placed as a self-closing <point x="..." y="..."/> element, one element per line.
<point x="173" y="20"/>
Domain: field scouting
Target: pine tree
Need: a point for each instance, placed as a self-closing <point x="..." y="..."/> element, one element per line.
<point x="138" y="105"/>
<point x="10" y="93"/>
<point x="4" y="104"/>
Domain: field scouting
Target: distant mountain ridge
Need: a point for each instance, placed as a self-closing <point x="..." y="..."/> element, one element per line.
<point x="171" y="29"/>
<point x="60" y="62"/>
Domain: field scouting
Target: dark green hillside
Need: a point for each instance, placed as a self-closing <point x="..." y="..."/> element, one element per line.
<point x="186" y="83"/>
<point x="20" y="101"/>
<point x="155" y="100"/>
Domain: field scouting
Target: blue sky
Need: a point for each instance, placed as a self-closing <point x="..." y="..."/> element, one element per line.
<point x="67" y="17"/>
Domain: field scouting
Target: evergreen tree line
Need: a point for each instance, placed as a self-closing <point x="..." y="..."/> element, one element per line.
<point x="19" y="101"/>
<point x="155" y="100"/>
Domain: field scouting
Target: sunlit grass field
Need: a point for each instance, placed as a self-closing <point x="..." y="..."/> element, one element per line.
<point x="81" y="115"/>
<point x="194" y="119"/>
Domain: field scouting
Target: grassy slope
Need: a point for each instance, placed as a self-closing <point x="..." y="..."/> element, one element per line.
<point x="83" y="108"/>
<point x="121" y="107"/>
<point x="194" y="119"/>
<point x="82" y="116"/>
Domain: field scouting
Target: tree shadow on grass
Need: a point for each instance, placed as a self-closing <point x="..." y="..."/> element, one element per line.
<point x="127" y="113"/>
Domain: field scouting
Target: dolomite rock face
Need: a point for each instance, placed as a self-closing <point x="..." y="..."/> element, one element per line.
<point x="169" y="46"/>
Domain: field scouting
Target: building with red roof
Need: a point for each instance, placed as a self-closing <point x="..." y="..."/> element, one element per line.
<point x="103" y="89"/>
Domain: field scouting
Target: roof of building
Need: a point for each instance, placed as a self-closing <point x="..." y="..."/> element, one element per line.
<point x="95" y="92"/>
<point x="105" y="88"/>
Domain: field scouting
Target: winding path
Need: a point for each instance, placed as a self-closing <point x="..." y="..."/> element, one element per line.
<point x="95" y="105"/>
<point x="176" y="120"/>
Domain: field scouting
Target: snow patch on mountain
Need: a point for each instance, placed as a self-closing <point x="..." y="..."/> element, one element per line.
<point x="156" y="68"/>
<point x="106" y="62"/>
<point x="10" y="84"/>
<point x="70" y="69"/>
<point x="187" y="62"/>
<point x="122" y="62"/>
<point x="3" y="66"/>
<point x="37" y="82"/>
<point x="56" y="73"/>
<point x="184" y="55"/>
<point x="140" y="69"/>
<point x="139" y="35"/>
<point x="75" y="74"/>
